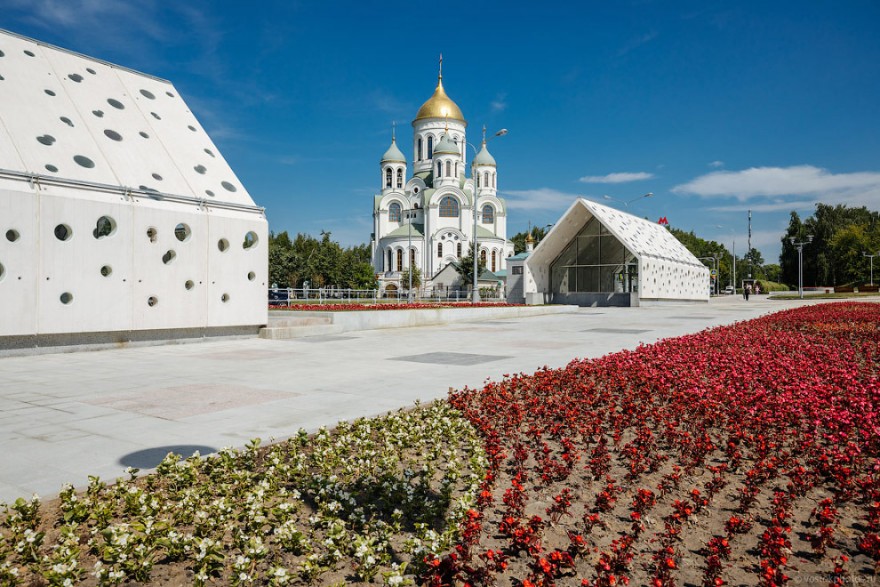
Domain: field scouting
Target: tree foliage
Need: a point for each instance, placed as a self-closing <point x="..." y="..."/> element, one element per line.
<point x="416" y="278"/>
<point x="704" y="250"/>
<point x="467" y="268"/>
<point x="519" y="240"/>
<point x="321" y="263"/>
<point x="835" y="256"/>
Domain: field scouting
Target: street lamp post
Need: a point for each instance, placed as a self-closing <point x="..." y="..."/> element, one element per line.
<point x="475" y="293"/>
<point x="871" y="258"/>
<point x="409" y="256"/>
<point x="714" y="266"/>
<point x="628" y="202"/>
<point x="800" y="249"/>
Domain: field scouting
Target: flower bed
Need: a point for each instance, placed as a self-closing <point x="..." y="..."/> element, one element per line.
<point x="354" y="505"/>
<point x="341" y="307"/>
<point x="747" y="454"/>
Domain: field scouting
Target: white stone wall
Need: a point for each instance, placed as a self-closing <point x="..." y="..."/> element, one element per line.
<point x="81" y="140"/>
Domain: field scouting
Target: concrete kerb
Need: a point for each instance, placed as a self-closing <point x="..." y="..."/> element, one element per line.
<point x="350" y="321"/>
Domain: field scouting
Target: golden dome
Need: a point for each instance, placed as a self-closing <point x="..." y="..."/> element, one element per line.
<point x="440" y="106"/>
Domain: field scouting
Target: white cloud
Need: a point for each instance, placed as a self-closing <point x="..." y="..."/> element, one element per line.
<point x="621" y="177"/>
<point x="499" y="104"/>
<point x="800" y="181"/>
<point x="538" y="199"/>
<point x="716" y="164"/>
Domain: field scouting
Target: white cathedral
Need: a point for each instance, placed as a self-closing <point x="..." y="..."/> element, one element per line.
<point x="431" y="214"/>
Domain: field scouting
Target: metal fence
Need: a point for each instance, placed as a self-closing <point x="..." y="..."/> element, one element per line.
<point x="324" y="295"/>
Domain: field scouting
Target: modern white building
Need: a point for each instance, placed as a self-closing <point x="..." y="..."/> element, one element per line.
<point x="598" y="256"/>
<point x="426" y="220"/>
<point x="119" y="217"/>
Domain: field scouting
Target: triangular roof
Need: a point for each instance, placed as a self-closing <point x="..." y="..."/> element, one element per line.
<point x="641" y="237"/>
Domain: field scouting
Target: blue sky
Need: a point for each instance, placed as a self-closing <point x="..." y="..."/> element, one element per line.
<point x="716" y="107"/>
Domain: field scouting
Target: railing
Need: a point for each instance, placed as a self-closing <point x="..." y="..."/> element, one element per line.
<point x="293" y="296"/>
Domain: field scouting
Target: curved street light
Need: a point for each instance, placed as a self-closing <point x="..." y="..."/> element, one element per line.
<point x="475" y="293"/>
<point x="628" y="202"/>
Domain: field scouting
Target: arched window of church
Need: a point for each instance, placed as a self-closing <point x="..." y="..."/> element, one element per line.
<point x="412" y="257"/>
<point x="400" y="259"/>
<point x="440" y="249"/>
<point x="430" y="147"/>
<point x="458" y="250"/>
<point x="394" y="212"/>
<point x="399" y="178"/>
<point x="389" y="266"/>
<point x="449" y="207"/>
<point x="419" y="150"/>
<point x="478" y="180"/>
<point x="488" y="214"/>
<point x="439" y="168"/>
<point x="456" y="169"/>
<point x="387" y="177"/>
<point x="483" y="257"/>
<point x="486" y="179"/>
<point x="494" y="176"/>
<point x="449" y="169"/>
<point x="493" y="261"/>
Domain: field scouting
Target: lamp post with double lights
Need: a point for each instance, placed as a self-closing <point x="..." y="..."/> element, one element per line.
<point x="409" y="253"/>
<point x="475" y="293"/>
<point x="800" y="249"/>
<point x="871" y="258"/>
<point x="628" y="202"/>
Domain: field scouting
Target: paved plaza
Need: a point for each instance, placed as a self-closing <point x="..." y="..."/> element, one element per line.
<point x="66" y="416"/>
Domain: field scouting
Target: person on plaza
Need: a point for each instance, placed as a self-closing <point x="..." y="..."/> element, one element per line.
<point x="748" y="291"/>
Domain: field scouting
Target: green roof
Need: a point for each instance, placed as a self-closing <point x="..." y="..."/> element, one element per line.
<point x="403" y="230"/>
<point x="485" y="233"/>
<point x="393" y="154"/>
<point x="484" y="157"/>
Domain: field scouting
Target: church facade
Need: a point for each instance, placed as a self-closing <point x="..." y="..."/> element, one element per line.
<point x="426" y="220"/>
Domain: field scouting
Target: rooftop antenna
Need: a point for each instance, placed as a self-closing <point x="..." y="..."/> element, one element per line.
<point x="440" y="76"/>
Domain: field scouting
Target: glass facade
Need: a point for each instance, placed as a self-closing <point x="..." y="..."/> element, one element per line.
<point x="594" y="262"/>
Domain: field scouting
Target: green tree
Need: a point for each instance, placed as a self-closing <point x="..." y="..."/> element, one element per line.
<point x="467" y="269"/>
<point x="703" y="250"/>
<point x="416" y="278"/>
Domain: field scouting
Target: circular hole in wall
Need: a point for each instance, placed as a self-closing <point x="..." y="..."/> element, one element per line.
<point x="156" y="116"/>
<point x="148" y="94"/>
<point x="224" y="298"/>
<point x="182" y="232"/>
<point x="49" y="92"/>
<point x="251" y="275"/>
<point x="2" y="54"/>
<point x="113" y="135"/>
<point x="152" y="233"/>
<point x="210" y="193"/>
<point x="168" y="256"/>
<point x="91" y="71"/>
<point x="98" y="113"/>
<point x="67" y="121"/>
<point x="143" y="134"/>
<point x="75" y="77"/>
<point x="2" y="78"/>
<point x="157" y="177"/>
<point x="2" y="271"/>
<point x="199" y="168"/>
<point x="189" y="284"/>
<point x="51" y="168"/>
<point x="210" y="152"/>
<point x="227" y="186"/>
<point x="106" y="270"/>
<point x="29" y="53"/>
<point x="46" y="140"/>
<point x="223" y="244"/>
<point x="104" y="227"/>
<point x="152" y="301"/>
<point x="191" y="127"/>
<point x="84" y="161"/>
<point x="63" y="232"/>
<point x="116" y="104"/>
<point x="250" y="240"/>
<point x="12" y="235"/>
<point x="169" y="94"/>
<point x="66" y="298"/>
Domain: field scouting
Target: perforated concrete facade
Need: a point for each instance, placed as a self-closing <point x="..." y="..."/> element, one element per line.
<point x="117" y="211"/>
<point x="665" y="269"/>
